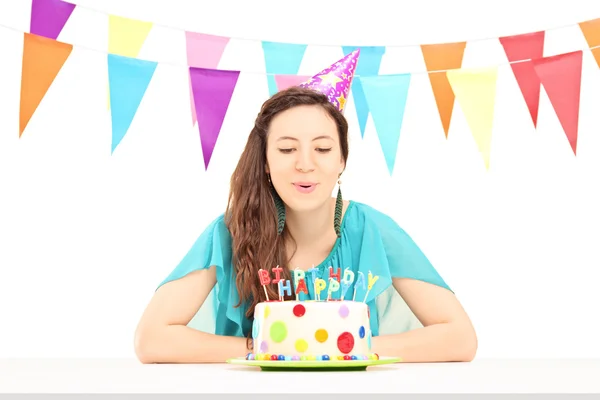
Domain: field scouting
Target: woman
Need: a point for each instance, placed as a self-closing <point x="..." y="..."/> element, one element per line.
<point x="281" y="212"/>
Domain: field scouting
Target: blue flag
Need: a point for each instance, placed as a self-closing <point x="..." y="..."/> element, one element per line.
<point x="281" y="59"/>
<point x="128" y="79"/>
<point x="368" y="65"/>
<point x="386" y="96"/>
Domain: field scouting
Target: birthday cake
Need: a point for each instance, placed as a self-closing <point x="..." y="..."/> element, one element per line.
<point x="322" y="330"/>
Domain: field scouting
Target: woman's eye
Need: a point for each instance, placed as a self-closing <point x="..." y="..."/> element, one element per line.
<point x="286" y="150"/>
<point x="321" y="150"/>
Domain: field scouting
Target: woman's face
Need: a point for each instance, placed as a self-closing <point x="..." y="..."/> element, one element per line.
<point x="304" y="157"/>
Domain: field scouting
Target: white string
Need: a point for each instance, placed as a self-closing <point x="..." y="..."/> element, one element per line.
<point x="482" y="39"/>
<point x="178" y="65"/>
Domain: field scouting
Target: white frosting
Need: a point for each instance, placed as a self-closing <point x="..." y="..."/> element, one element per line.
<point x="279" y="331"/>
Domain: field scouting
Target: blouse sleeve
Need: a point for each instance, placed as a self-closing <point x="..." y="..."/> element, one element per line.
<point x="211" y="248"/>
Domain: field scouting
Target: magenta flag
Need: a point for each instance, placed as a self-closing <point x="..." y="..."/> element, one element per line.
<point x="212" y="90"/>
<point x="48" y="17"/>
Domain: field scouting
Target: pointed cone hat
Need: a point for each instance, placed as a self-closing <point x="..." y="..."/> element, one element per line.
<point x="335" y="80"/>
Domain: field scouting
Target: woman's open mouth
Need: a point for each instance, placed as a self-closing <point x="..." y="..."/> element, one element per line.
<point x="305" y="187"/>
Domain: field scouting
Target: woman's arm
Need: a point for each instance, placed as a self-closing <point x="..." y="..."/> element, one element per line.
<point x="162" y="335"/>
<point x="447" y="333"/>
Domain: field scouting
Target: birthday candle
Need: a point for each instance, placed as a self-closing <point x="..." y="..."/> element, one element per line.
<point x="298" y="275"/>
<point x="347" y="280"/>
<point x="372" y="280"/>
<point x="361" y="279"/>
<point x="287" y="287"/>
<point x="319" y="286"/>
<point x="313" y="272"/>
<point x="334" y="286"/>
<point x="263" y="276"/>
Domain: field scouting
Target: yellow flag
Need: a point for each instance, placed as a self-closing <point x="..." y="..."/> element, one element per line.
<point x="126" y="37"/>
<point x="475" y="90"/>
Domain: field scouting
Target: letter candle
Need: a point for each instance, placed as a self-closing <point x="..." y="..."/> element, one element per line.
<point x="298" y="280"/>
<point x="347" y="280"/>
<point x="313" y="275"/>
<point x="263" y="275"/>
<point x="334" y="286"/>
<point x="319" y="286"/>
<point x="372" y="280"/>
<point x="361" y="279"/>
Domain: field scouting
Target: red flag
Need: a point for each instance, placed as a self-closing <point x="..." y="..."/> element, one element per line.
<point x="43" y="59"/>
<point x="526" y="47"/>
<point x="561" y="77"/>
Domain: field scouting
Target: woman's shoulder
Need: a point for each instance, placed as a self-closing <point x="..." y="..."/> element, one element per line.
<point x="361" y="214"/>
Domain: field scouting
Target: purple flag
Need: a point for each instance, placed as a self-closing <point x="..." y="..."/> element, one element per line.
<point x="212" y="90"/>
<point x="48" y="17"/>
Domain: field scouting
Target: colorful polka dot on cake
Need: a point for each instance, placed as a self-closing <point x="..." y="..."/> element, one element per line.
<point x="267" y="312"/>
<point x="321" y="335"/>
<point x="278" y="331"/>
<point x="361" y="332"/>
<point x="299" y="310"/>
<point x="264" y="346"/>
<point x="344" y="311"/>
<point x="345" y="342"/>
<point x="301" y="345"/>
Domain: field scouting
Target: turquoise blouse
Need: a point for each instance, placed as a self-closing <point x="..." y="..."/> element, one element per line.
<point x="370" y="242"/>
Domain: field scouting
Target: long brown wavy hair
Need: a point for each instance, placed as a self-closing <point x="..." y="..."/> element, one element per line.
<point x="251" y="215"/>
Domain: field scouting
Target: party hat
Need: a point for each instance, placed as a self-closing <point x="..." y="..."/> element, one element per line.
<point x="335" y="80"/>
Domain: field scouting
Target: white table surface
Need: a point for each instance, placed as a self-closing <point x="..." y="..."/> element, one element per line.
<point x="129" y="376"/>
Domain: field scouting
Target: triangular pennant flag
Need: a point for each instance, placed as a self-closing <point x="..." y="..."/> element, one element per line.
<point x="203" y="51"/>
<point x="475" y="90"/>
<point x="285" y="81"/>
<point x="126" y="37"/>
<point x="386" y="97"/>
<point x="520" y="48"/>
<point x="561" y="77"/>
<point x="212" y="93"/>
<point x="128" y="80"/>
<point x="368" y="65"/>
<point x="48" y="17"/>
<point x="591" y="32"/>
<point x="43" y="59"/>
<point x="281" y="59"/>
<point x="443" y="57"/>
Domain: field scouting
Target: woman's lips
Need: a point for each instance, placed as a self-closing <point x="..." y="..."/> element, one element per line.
<point x="305" y="187"/>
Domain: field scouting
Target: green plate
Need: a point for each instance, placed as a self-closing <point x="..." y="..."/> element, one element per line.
<point x="333" y="365"/>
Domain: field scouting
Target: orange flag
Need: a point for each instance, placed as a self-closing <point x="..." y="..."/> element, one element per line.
<point x="591" y="32"/>
<point x="43" y="58"/>
<point x="442" y="57"/>
<point x="561" y="77"/>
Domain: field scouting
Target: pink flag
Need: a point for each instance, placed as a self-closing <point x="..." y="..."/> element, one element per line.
<point x="203" y="51"/>
<point x="285" y="81"/>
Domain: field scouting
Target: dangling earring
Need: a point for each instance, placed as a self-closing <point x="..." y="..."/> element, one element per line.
<point x="339" y="204"/>
<point x="279" y="207"/>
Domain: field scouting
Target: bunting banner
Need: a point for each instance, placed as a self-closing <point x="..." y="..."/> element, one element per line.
<point x="561" y="77"/>
<point x="43" y="58"/>
<point x="203" y="51"/>
<point x="526" y="47"/>
<point x="386" y="97"/>
<point x="591" y="32"/>
<point x="212" y="91"/>
<point x="128" y="80"/>
<point x="281" y="59"/>
<point x="126" y="37"/>
<point x="48" y="17"/>
<point x="368" y="65"/>
<point x="475" y="90"/>
<point x="440" y="58"/>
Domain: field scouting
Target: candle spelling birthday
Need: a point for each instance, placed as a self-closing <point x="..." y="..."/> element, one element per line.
<point x="334" y="283"/>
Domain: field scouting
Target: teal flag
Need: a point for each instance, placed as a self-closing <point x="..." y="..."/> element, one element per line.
<point x="368" y="65"/>
<point x="386" y="97"/>
<point x="281" y="59"/>
<point x="128" y="79"/>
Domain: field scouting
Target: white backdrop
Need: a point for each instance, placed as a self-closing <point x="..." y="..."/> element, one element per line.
<point x="85" y="237"/>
